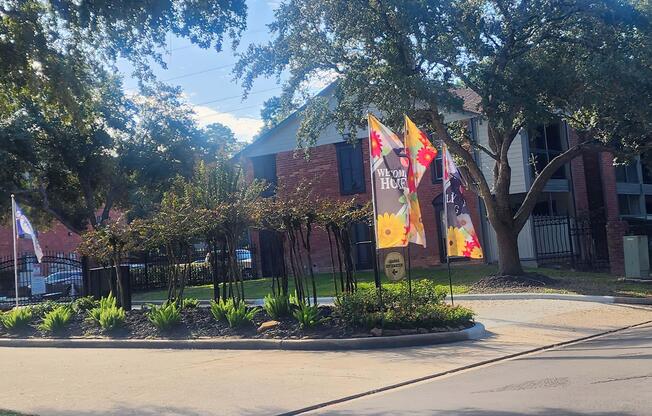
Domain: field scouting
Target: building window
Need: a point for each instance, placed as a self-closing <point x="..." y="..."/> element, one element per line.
<point x="437" y="170"/>
<point x="627" y="173"/>
<point x="648" y="206"/>
<point x="646" y="170"/>
<point x="362" y="248"/>
<point x="351" y="168"/>
<point x="547" y="142"/>
<point x="265" y="169"/>
<point x="629" y="205"/>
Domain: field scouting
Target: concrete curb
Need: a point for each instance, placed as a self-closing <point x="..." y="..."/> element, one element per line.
<point x="492" y="296"/>
<point x="475" y="332"/>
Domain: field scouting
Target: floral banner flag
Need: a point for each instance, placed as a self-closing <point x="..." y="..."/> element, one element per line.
<point x="389" y="167"/>
<point x="420" y="153"/>
<point x="460" y="234"/>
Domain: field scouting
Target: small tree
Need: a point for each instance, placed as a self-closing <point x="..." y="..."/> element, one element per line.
<point x="337" y="218"/>
<point x="108" y="245"/>
<point x="174" y="227"/>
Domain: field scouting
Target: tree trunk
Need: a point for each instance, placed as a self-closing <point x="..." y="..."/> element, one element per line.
<point x="509" y="262"/>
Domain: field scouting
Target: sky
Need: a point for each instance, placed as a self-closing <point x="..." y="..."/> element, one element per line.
<point x="206" y="79"/>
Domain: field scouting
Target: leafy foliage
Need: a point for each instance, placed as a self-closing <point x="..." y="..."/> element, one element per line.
<point x="16" y="319"/>
<point x="220" y="308"/>
<point x="189" y="303"/>
<point x="107" y="314"/>
<point x="276" y="306"/>
<point x="57" y="319"/>
<point x="72" y="141"/>
<point x="238" y="315"/>
<point x="164" y="317"/>
<point x="398" y="310"/>
<point x="84" y="304"/>
<point x="307" y="316"/>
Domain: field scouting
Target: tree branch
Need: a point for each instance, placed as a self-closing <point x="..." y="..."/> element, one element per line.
<point x="524" y="211"/>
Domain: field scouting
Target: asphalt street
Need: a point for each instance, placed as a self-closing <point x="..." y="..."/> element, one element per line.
<point x="610" y="375"/>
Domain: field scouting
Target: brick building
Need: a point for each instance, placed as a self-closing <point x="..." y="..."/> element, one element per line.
<point x="578" y="222"/>
<point x="338" y="168"/>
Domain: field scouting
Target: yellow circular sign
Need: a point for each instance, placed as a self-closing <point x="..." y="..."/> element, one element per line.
<point x="394" y="266"/>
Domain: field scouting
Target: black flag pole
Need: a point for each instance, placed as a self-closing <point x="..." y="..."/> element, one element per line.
<point x="409" y="271"/>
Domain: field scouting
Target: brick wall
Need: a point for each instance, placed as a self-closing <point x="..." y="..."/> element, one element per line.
<point x="322" y="170"/>
<point x="578" y="175"/>
<point x="56" y="239"/>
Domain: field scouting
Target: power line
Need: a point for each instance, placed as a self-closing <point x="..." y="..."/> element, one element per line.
<point x="232" y="110"/>
<point x="238" y="96"/>
<point x="199" y="72"/>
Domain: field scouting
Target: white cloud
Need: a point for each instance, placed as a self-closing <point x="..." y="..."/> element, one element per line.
<point x="244" y="128"/>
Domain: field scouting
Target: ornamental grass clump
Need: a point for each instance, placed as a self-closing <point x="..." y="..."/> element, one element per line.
<point x="307" y="316"/>
<point x="239" y="316"/>
<point x="107" y="314"/>
<point x="16" y="319"/>
<point x="276" y="306"/>
<point x="219" y="309"/>
<point x="57" y="320"/>
<point x="189" y="303"/>
<point x="164" y="317"/>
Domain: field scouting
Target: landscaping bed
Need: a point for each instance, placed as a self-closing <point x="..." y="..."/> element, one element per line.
<point x="354" y="315"/>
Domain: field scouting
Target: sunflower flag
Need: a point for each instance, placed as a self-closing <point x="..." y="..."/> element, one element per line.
<point x="389" y="170"/>
<point x="460" y="234"/>
<point x="420" y="153"/>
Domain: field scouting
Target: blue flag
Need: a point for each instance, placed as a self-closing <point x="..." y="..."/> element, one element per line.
<point x="24" y="228"/>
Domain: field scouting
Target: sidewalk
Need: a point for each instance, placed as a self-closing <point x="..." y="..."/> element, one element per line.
<point x="165" y="382"/>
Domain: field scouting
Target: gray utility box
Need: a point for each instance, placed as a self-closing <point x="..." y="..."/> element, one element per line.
<point x="637" y="257"/>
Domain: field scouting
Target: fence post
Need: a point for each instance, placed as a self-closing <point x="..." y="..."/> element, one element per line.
<point x="126" y="287"/>
<point x="86" y="277"/>
<point x="570" y="241"/>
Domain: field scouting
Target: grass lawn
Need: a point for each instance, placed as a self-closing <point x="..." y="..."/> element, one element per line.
<point x="463" y="277"/>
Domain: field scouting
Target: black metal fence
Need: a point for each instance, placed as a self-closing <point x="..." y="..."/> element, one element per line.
<point x="152" y="270"/>
<point x="577" y="243"/>
<point x="57" y="276"/>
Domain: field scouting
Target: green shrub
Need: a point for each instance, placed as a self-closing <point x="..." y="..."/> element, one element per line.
<point x="189" y="303"/>
<point x="112" y="318"/>
<point x="17" y="318"/>
<point x="105" y="303"/>
<point x="107" y="314"/>
<point x="362" y="309"/>
<point x="84" y="304"/>
<point x="276" y="306"/>
<point x="57" y="319"/>
<point x="164" y="317"/>
<point x="239" y="316"/>
<point x="43" y="308"/>
<point x="308" y="316"/>
<point x="220" y="309"/>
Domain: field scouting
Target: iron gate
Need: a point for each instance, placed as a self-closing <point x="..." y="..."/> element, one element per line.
<point x="572" y="242"/>
<point x="58" y="276"/>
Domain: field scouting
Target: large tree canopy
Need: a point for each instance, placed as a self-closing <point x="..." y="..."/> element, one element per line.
<point x="72" y="142"/>
<point x="529" y="62"/>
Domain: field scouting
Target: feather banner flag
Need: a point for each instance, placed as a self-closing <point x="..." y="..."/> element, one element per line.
<point x="460" y="234"/>
<point x="389" y="171"/>
<point x="420" y="153"/>
<point x="24" y="229"/>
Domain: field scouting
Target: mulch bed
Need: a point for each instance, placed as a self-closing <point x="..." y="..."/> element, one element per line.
<point x="531" y="282"/>
<point x="200" y="323"/>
